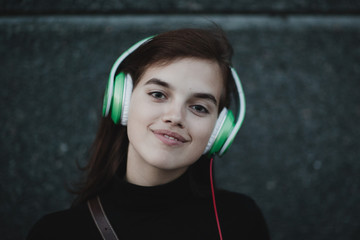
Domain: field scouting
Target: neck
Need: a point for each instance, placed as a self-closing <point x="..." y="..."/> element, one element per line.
<point x="144" y="173"/>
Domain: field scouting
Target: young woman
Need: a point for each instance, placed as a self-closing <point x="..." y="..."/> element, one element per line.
<point x="150" y="172"/>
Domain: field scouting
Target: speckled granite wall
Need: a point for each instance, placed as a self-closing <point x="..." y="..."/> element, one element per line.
<point x="297" y="154"/>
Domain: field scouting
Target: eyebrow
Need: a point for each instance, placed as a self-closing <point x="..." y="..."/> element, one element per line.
<point x="157" y="81"/>
<point x="206" y="96"/>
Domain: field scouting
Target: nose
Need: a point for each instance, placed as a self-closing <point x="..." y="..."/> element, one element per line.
<point x="174" y="115"/>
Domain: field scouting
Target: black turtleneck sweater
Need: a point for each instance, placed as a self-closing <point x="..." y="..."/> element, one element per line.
<point x="169" y="211"/>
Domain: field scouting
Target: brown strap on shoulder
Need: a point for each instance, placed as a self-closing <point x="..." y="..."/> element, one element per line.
<point x="100" y="219"/>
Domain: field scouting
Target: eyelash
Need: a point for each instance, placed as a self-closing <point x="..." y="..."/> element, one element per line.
<point x="153" y="94"/>
<point x="202" y="110"/>
<point x="199" y="109"/>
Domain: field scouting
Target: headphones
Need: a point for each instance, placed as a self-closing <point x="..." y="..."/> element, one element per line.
<point x="117" y="100"/>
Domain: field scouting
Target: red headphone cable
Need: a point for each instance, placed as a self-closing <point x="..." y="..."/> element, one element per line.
<point x="213" y="197"/>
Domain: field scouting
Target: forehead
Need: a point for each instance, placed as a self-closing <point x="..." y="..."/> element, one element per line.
<point x="188" y="74"/>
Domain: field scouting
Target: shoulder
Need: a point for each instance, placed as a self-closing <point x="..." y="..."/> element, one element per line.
<point x="233" y="197"/>
<point x="73" y="223"/>
<point x="240" y="215"/>
<point x="237" y="204"/>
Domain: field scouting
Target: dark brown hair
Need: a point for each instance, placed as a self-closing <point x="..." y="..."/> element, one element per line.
<point x="109" y="151"/>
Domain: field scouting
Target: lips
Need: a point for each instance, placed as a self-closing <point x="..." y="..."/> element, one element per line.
<point x="169" y="137"/>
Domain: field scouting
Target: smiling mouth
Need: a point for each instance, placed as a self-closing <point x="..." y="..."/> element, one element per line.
<point x="169" y="137"/>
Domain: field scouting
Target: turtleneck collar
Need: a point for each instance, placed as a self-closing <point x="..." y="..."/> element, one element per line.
<point x="127" y="195"/>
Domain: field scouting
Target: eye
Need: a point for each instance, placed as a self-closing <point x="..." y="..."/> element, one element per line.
<point x="199" y="109"/>
<point x="157" y="95"/>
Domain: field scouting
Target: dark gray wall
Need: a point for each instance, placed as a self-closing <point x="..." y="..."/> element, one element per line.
<point x="181" y="6"/>
<point x="297" y="154"/>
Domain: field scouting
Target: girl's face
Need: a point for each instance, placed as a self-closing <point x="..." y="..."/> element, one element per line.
<point x="173" y="110"/>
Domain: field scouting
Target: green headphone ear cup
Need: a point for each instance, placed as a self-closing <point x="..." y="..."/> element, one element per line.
<point x="105" y="100"/>
<point x="117" y="101"/>
<point x="224" y="133"/>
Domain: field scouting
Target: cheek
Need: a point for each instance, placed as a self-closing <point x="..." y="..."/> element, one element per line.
<point x="141" y="116"/>
<point x="139" y="109"/>
<point x="202" y="131"/>
<point x="138" y="115"/>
